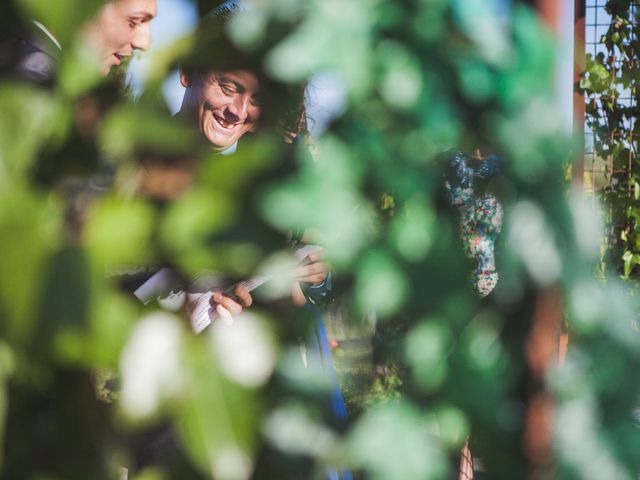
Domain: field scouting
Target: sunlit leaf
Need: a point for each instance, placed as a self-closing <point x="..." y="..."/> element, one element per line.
<point x="217" y="421"/>
<point x="65" y="17"/>
<point x="381" y="286"/>
<point x="118" y="232"/>
<point x="30" y="230"/>
<point x="128" y="129"/>
<point x="426" y="351"/>
<point x="26" y="121"/>
<point x="392" y="442"/>
<point x="413" y="231"/>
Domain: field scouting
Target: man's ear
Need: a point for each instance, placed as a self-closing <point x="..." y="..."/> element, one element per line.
<point x="185" y="79"/>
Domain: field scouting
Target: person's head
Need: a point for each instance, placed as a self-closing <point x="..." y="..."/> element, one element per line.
<point x="224" y="103"/>
<point x="228" y="93"/>
<point x="119" y="28"/>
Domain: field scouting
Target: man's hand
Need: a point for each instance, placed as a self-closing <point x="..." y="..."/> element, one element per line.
<point x="312" y="271"/>
<point x="228" y="306"/>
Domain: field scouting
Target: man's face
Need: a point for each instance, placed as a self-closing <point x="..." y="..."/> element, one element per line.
<point x="224" y="103"/>
<point x="119" y="28"/>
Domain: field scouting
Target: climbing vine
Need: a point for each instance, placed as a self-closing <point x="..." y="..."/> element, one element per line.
<point x="611" y="85"/>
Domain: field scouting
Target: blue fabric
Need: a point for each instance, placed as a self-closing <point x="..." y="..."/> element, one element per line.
<point x="334" y="474"/>
<point x="319" y="359"/>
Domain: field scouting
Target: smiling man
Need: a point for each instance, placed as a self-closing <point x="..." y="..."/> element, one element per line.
<point x="224" y="104"/>
<point x="120" y="27"/>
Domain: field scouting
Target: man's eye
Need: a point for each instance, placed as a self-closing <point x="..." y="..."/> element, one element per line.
<point x="136" y="22"/>
<point x="227" y="89"/>
<point x="254" y="102"/>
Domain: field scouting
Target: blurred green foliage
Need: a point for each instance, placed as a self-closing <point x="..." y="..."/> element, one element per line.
<point x="422" y="77"/>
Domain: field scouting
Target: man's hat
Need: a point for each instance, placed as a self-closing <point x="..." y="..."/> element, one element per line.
<point x="227" y="9"/>
<point x="213" y="48"/>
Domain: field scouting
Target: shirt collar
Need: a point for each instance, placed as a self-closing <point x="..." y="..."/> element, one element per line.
<point x="230" y="150"/>
<point x="49" y="35"/>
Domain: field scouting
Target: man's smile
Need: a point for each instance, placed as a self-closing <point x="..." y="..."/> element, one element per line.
<point x="224" y="123"/>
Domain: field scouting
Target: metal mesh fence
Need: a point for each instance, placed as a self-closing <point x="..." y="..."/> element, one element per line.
<point x="609" y="175"/>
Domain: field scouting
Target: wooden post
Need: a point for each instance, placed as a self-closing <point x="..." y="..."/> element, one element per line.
<point x="550" y="13"/>
<point x="543" y="342"/>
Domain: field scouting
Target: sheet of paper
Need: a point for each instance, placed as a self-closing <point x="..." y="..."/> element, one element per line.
<point x="198" y="299"/>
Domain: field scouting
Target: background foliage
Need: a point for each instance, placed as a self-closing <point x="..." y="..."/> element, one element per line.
<point x="422" y="77"/>
<point x="610" y="85"/>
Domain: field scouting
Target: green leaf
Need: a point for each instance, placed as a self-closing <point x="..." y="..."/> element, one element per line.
<point x="28" y="117"/>
<point x="381" y="284"/>
<point x="118" y="232"/>
<point x="392" y="442"/>
<point x="217" y="419"/>
<point x="128" y="129"/>
<point x="191" y="221"/>
<point x="426" y="348"/>
<point x="64" y="17"/>
<point x="30" y="228"/>
<point x="412" y="231"/>
<point x="79" y="70"/>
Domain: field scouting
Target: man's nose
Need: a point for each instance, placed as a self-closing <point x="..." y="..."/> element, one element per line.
<point x="239" y="108"/>
<point x="142" y="37"/>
